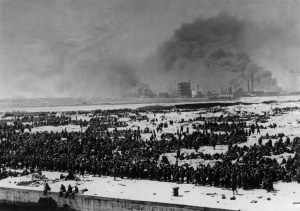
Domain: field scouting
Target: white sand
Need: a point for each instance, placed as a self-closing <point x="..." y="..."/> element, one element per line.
<point x="282" y="198"/>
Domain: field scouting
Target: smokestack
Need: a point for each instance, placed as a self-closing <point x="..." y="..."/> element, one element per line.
<point x="248" y="85"/>
<point x="252" y="79"/>
<point x="175" y="89"/>
<point x="221" y="90"/>
<point x="197" y="88"/>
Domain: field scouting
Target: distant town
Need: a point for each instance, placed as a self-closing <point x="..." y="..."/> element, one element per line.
<point x="184" y="90"/>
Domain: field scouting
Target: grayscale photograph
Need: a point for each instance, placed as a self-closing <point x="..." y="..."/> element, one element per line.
<point x="150" y="105"/>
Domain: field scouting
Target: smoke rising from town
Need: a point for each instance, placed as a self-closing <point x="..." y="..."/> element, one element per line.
<point x="213" y="53"/>
<point x="117" y="48"/>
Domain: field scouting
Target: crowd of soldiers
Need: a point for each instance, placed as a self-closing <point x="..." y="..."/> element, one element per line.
<point x="123" y="153"/>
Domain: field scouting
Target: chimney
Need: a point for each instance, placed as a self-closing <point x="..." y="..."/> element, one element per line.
<point x="197" y="88"/>
<point x="190" y="94"/>
<point x="252" y="80"/>
<point x="248" y="85"/>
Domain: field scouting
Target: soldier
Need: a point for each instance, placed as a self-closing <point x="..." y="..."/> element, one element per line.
<point x="62" y="190"/>
<point x="69" y="192"/>
<point x="188" y="175"/>
<point x="46" y="189"/>
<point x="74" y="192"/>
<point x="234" y="184"/>
<point x="269" y="183"/>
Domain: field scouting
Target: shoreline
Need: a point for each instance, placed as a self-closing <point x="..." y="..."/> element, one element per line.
<point x="62" y="105"/>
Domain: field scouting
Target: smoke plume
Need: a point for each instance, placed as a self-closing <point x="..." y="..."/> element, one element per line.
<point x="213" y="53"/>
<point x="117" y="48"/>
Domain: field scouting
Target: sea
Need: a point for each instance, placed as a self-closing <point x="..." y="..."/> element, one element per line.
<point x="26" y="209"/>
<point x="87" y="104"/>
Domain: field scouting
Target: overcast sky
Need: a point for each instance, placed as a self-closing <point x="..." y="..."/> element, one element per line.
<point x="66" y="48"/>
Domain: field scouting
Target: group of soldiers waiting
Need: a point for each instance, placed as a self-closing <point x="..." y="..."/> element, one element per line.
<point x="122" y="153"/>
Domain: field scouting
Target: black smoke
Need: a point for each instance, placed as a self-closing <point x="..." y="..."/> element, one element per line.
<point x="74" y="48"/>
<point x="212" y="52"/>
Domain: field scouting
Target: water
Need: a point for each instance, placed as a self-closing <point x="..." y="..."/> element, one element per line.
<point x="70" y="104"/>
<point x="75" y="104"/>
<point x="25" y="209"/>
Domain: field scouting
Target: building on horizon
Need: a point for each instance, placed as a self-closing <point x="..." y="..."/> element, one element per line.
<point x="212" y="96"/>
<point x="226" y="94"/>
<point x="148" y="93"/>
<point x="199" y="94"/>
<point x="163" y="95"/>
<point x="184" y="89"/>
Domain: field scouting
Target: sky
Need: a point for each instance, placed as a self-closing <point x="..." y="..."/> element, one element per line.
<point x="101" y="48"/>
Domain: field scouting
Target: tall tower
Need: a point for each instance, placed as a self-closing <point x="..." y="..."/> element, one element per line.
<point x="248" y="85"/>
<point x="252" y="80"/>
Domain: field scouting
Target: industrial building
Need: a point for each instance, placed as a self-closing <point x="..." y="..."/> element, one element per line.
<point x="184" y="89"/>
<point x="226" y="94"/>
